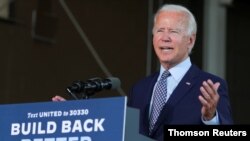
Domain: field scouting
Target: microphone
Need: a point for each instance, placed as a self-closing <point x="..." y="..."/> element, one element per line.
<point x="94" y="85"/>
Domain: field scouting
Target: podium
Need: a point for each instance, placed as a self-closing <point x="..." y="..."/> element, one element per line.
<point x="100" y="119"/>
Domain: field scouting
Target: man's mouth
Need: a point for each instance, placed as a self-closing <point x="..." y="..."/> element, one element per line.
<point x="166" y="48"/>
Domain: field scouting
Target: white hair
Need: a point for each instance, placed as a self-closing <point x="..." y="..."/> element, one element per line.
<point x="192" y="25"/>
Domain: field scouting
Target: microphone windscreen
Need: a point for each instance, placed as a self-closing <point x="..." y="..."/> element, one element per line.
<point x="115" y="82"/>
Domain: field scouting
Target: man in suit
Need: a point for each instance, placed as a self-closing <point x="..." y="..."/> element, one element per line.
<point x="193" y="96"/>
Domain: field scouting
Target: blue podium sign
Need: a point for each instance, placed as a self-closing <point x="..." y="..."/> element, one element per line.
<point x="101" y="119"/>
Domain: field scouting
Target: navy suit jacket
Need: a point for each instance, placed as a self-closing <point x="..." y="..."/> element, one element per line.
<point x="183" y="106"/>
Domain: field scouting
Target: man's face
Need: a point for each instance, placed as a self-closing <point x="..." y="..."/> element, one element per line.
<point x="170" y="39"/>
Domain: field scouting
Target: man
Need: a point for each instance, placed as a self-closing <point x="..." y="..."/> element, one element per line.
<point x="193" y="96"/>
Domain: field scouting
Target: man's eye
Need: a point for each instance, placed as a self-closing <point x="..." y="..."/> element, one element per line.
<point x="174" y="31"/>
<point x="159" y="30"/>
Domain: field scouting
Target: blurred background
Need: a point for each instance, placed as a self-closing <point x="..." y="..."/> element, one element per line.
<point x="48" y="44"/>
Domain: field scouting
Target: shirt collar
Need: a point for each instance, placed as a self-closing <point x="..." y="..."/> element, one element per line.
<point x="178" y="71"/>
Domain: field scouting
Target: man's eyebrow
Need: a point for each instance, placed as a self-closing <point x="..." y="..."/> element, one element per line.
<point x="161" y="28"/>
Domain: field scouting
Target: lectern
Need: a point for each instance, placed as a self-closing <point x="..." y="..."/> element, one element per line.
<point x="99" y="119"/>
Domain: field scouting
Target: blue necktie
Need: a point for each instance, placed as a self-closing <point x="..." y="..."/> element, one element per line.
<point x="159" y="99"/>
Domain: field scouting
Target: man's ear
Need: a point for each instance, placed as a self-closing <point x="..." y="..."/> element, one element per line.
<point x="192" y="39"/>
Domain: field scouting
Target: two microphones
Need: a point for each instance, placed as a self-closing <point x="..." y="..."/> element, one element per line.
<point x="82" y="90"/>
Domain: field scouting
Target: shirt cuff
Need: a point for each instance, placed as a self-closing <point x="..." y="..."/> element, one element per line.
<point x="213" y="121"/>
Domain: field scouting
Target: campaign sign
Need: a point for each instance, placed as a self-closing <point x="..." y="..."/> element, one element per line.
<point x="100" y="119"/>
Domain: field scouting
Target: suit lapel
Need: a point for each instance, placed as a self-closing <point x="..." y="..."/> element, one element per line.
<point x="184" y="86"/>
<point x="148" y="96"/>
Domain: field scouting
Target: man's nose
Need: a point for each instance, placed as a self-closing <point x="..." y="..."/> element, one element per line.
<point x="165" y="37"/>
